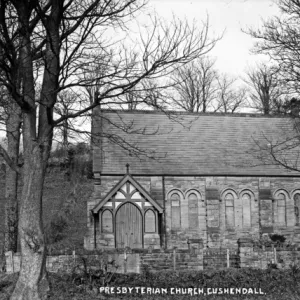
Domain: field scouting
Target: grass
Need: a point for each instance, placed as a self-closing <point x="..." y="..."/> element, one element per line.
<point x="276" y="284"/>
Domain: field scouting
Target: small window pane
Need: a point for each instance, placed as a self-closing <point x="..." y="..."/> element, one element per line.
<point x="193" y="211"/>
<point x="175" y="203"/>
<point x="281" y="203"/>
<point x="175" y="211"/>
<point x="120" y="195"/>
<point x="149" y="221"/>
<point x="229" y="199"/>
<point x="281" y="208"/>
<point x="107" y="223"/>
<point x="136" y="195"/>
<point x="131" y="188"/>
<point x="246" y="210"/>
<point x="229" y="210"/>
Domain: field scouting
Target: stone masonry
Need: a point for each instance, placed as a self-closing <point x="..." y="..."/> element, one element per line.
<point x="209" y="211"/>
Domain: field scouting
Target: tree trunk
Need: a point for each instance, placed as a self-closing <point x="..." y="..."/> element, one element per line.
<point x="32" y="283"/>
<point x="13" y="125"/>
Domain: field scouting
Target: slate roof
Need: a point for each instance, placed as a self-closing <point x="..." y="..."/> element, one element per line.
<point x="189" y="143"/>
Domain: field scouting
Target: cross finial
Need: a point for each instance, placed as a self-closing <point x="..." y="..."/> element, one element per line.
<point x="127" y="168"/>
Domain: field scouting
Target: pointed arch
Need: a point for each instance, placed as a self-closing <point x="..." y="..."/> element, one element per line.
<point x="107" y="221"/>
<point x="129" y="226"/>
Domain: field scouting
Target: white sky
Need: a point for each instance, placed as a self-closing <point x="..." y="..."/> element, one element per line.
<point x="233" y="51"/>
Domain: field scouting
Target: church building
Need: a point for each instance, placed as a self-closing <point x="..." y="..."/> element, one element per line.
<point x="165" y="180"/>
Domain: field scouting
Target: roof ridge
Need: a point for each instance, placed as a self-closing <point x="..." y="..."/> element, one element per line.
<point x="245" y="115"/>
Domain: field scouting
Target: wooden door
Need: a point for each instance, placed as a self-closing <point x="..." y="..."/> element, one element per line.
<point x="129" y="227"/>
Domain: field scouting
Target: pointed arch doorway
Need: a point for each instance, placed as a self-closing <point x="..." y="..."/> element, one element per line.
<point x="129" y="226"/>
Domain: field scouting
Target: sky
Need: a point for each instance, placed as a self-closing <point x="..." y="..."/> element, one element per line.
<point x="233" y="51"/>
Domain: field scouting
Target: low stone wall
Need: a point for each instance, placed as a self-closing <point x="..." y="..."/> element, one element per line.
<point x="262" y="257"/>
<point x="220" y="259"/>
<point x="285" y="258"/>
<point x="176" y="259"/>
<point x="126" y="261"/>
<point x="195" y="258"/>
<point x="116" y="262"/>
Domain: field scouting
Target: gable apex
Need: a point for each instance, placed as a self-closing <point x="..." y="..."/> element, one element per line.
<point x="118" y="186"/>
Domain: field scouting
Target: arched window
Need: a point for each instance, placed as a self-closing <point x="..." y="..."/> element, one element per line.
<point x="229" y="210"/>
<point x="246" y="203"/>
<point x="107" y="221"/>
<point x="297" y="207"/>
<point x="193" y="210"/>
<point x="175" y="210"/>
<point x="281" y="208"/>
<point x="150" y="221"/>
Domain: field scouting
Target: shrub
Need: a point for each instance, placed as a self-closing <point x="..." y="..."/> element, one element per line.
<point x="55" y="231"/>
<point x="94" y="271"/>
<point x="277" y="238"/>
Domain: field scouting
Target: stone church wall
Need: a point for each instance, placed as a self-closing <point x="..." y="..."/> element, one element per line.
<point x="216" y="210"/>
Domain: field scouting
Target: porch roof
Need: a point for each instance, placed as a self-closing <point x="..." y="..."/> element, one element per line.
<point x="140" y="189"/>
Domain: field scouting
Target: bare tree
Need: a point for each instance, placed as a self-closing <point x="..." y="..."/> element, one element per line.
<point x="195" y="85"/>
<point x="13" y="132"/>
<point x="265" y="89"/>
<point x="229" y="97"/>
<point x="279" y="39"/>
<point x="10" y="121"/>
<point x="52" y="42"/>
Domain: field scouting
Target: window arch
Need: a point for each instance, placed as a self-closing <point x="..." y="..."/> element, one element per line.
<point x="246" y="199"/>
<point x="296" y="197"/>
<point x="229" y="197"/>
<point x="107" y="221"/>
<point x="246" y="196"/>
<point x="175" y="197"/>
<point x="150" y="221"/>
<point x="281" y="197"/>
<point x="193" y="197"/>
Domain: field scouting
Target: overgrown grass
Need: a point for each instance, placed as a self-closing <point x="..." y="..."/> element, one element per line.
<point x="276" y="284"/>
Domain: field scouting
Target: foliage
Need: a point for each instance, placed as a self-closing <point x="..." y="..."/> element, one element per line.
<point x="279" y="39"/>
<point x="271" y="240"/>
<point x="277" y="284"/>
<point x="77" y="149"/>
<point x="55" y="231"/>
<point x="54" y="42"/>
<point x="200" y="88"/>
<point x="277" y="238"/>
<point x="94" y="272"/>
<point x="75" y="161"/>
<point x="266" y="89"/>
